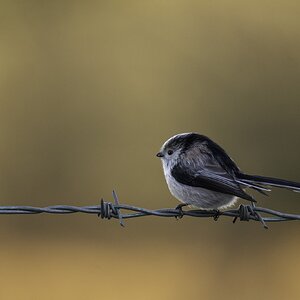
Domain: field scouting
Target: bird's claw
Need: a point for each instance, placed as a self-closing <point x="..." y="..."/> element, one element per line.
<point x="180" y="211"/>
<point x="217" y="214"/>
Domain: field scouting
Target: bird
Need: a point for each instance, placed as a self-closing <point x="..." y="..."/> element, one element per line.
<point x="200" y="174"/>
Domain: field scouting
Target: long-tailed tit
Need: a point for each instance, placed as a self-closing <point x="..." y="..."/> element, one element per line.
<point x="201" y="174"/>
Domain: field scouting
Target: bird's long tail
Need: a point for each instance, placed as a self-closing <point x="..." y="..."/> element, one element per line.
<point x="256" y="181"/>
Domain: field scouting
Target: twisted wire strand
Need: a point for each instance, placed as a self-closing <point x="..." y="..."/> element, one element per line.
<point x="108" y="210"/>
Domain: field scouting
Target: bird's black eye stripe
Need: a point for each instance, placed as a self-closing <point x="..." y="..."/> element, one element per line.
<point x="170" y="152"/>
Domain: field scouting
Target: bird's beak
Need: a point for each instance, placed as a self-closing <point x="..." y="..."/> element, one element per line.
<point x="159" y="154"/>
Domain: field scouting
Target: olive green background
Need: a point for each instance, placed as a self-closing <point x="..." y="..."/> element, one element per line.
<point x="89" y="90"/>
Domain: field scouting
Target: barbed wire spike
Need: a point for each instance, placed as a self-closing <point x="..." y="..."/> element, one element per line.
<point x="108" y="210"/>
<point x="115" y="196"/>
<point x="246" y="211"/>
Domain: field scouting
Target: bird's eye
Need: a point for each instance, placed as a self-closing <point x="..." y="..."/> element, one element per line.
<point x="170" y="152"/>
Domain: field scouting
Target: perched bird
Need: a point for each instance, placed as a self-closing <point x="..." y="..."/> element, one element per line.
<point x="201" y="174"/>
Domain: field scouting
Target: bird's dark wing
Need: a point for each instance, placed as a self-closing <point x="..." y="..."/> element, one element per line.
<point x="206" y="172"/>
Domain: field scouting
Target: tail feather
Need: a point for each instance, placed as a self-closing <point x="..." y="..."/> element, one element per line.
<point x="269" y="181"/>
<point x="255" y="186"/>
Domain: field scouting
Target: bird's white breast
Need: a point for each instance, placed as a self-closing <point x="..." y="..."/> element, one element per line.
<point x="197" y="196"/>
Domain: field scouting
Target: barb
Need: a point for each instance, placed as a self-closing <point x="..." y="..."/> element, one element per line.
<point x="108" y="210"/>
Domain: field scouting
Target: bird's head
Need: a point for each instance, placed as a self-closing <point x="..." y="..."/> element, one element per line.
<point x="176" y="146"/>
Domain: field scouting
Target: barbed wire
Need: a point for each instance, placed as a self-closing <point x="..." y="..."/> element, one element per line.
<point x="109" y="210"/>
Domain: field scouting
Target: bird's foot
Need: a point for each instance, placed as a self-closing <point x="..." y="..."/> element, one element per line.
<point x="180" y="211"/>
<point x="217" y="214"/>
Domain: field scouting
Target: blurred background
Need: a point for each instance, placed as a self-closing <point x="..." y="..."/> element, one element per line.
<point x="89" y="90"/>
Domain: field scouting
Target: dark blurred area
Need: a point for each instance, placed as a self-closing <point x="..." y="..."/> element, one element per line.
<point x="89" y="90"/>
